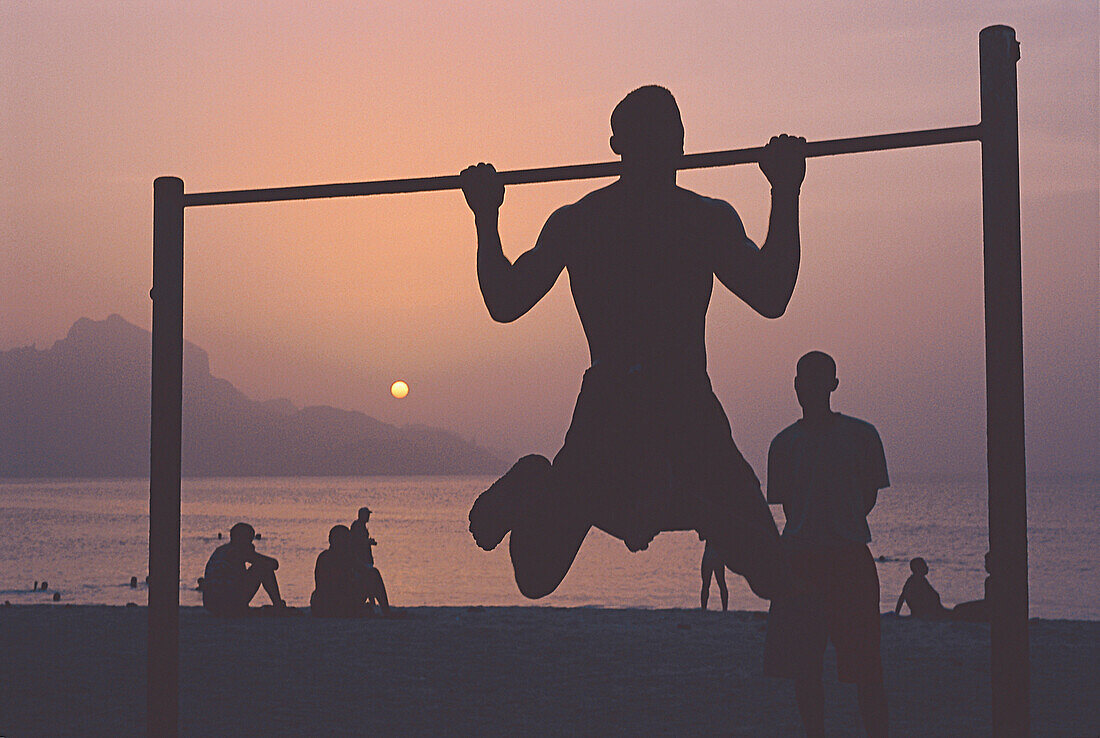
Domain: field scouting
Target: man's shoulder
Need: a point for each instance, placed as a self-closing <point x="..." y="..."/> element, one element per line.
<point x="787" y="436"/>
<point x="594" y="200"/>
<point x="705" y="205"/>
<point x="856" y="426"/>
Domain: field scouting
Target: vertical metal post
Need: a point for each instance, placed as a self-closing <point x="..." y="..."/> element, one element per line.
<point x="1004" y="377"/>
<point x="165" y="434"/>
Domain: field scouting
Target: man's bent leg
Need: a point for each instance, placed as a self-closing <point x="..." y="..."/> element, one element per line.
<point x="497" y="509"/>
<point x="263" y="576"/>
<point x="749" y="545"/>
<point x="377" y="590"/>
<point x="543" y="548"/>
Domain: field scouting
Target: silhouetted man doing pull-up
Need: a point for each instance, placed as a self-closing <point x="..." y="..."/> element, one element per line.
<point x="649" y="448"/>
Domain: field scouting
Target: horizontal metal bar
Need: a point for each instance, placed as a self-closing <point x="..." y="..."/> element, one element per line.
<point x="831" y="147"/>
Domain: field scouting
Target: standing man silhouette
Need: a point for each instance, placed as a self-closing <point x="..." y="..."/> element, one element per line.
<point x="649" y="448"/>
<point x="826" y="470"/>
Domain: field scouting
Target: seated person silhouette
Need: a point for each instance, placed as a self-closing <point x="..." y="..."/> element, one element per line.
<point x="712" y="566"/>
<point x="343" y="583"/>
<point x="649" y="448"/>
<point x="235" y="572"/>
<point x="826" y="470"/>
<point x="922" y="598"/>
<point x="924" y="601"/>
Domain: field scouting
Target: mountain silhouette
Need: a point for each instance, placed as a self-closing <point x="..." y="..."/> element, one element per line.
<point x="81" y="409"/>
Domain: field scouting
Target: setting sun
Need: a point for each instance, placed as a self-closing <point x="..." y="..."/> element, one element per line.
<point x="399" y="389"/>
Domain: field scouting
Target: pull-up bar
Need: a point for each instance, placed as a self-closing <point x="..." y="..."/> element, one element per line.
<point x="999" y="136"/>
<point x="729" y="157"/>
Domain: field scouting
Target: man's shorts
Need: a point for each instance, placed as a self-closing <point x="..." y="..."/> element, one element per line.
<point x="844" y="608"/>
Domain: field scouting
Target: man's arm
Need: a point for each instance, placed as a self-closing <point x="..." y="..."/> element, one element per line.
<point x="255" y="557"/>
<point x="509" y="290"/>
<point x="765" y="277"/>
<point x="870" y="497"/>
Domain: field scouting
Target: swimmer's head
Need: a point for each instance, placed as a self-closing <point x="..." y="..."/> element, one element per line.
<point x="646" y="129"/>
<point x="918" y="566"/>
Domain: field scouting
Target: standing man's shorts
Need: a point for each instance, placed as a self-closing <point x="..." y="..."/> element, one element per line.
<point x="844" y="608"/>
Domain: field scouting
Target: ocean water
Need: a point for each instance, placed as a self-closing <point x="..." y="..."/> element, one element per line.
<point x="88" y="537"/>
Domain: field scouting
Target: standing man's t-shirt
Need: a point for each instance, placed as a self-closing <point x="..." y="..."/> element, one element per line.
<point x="823" y="475"/>
<point x="826" y="475"/>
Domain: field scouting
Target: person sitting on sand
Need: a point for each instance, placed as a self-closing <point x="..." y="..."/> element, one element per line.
<point x="922" y="598"/>
<point x="649" y="448"/>
<point x="343" y="583"/>
<point x="712" y="566"/>
<point x="924" y="601"/>
<point x="826" y="470"/>
<point x="235" y="573"/>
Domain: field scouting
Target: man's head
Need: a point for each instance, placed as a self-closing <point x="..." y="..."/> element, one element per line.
<point x="242" y="533"/>
<point x="918" y="566"/>
<point x="646" y="130"/>
<point x="364" y="514"/>
<point x="339" y="536"/>
<point x="815" y="379"/>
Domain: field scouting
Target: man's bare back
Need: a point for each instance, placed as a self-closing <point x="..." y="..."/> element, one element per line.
<point x="642" y="455"/>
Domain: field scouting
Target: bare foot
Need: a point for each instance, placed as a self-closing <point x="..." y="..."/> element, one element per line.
<point x="496" y="509"/>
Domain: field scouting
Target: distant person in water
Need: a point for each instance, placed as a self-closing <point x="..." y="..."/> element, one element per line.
<point x="235" y="573"/>
<point x="826" y="470"/>
<point x="924" y="601"/>
<point x="712" y="566"/>
<point x="649" y="448"/>
<point x="343" y="583"/>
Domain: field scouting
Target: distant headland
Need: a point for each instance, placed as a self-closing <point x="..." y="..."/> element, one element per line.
<point x="81" y="409"/>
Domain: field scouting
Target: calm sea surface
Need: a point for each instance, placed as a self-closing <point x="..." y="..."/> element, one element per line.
<point x="88" y="537"/>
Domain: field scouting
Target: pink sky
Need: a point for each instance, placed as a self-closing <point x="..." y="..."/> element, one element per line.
<point x="329" y="302"/>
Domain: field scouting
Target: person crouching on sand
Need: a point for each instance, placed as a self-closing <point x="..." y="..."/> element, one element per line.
<point x="826" y="470"/>
<point x="343" y="583"/>
<point x="235" y="573"/>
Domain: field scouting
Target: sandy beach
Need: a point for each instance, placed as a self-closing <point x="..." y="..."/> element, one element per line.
<point x="79" y="670"/>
